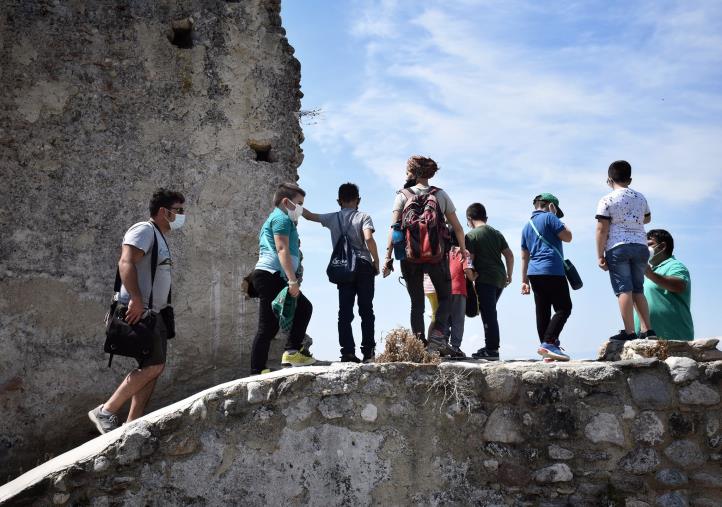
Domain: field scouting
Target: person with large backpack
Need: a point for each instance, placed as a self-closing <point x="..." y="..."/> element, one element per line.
<point x="419" y="219"/>
<point x="353" y="267"/>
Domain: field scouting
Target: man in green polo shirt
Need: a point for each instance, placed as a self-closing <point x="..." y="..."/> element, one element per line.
<point x="668" y="289"/>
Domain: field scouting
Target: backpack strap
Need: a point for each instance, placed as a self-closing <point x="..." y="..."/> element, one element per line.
<point x="408" y="193"/>
<point x="170" y="289"/>
<point x="545" y="241"/>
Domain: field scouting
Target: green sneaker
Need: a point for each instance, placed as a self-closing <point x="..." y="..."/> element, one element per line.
<point x="297" y="358"/>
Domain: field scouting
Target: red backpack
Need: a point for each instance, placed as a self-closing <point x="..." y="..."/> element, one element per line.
<point x="424" y="227"/>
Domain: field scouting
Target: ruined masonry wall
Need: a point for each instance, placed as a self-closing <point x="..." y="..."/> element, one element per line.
<point x="630" y="433"/>
<point x="100" y="103"/>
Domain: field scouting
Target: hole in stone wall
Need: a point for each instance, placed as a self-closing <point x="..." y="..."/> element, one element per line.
<point x="262" y="151"/>
<point x="181" y="33"/>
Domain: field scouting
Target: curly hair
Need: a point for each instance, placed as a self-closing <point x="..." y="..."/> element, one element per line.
<point x="421" y="167"/>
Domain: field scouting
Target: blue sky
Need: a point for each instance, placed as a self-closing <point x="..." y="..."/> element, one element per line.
<point x="514" y="98"/>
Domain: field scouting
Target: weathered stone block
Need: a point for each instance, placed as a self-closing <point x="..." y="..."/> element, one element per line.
<point x="649" y="390"/>
<point x="558" y="472"/>
<point x="671" y="477"/>
<point x="685" y="453"/>
<point x="682" y="369"/>
<point x="503" y="426"/>
<point x="605" y="427"/>
<point x="648" y="428"/>
<point x="698" y="393"/>
<point x="639" y="461"/>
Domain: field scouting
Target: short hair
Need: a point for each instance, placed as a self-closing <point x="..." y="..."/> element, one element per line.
<point x="164" y="198"/>
<point x="476" y="211"/>
<point x="620" y="171"/>
<point x="287" y="190"/>
<point x="348" y="192"/>
<point x="421" y="167"/>
<point x="662" y="236"/>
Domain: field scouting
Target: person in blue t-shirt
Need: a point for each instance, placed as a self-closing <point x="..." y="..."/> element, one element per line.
<point x="542" y="271"/>
<point x="278" y="266"/>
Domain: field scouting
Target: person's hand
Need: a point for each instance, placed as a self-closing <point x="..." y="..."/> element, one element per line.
<point x="388" y="267"/>
<point x="525" y="288"/>
<point x="508" y="280"/>
<point x="294" y="290"/>
<point x="648" y="273"/>
<point x="135" y="311"/>
<point x="602" y="261"/>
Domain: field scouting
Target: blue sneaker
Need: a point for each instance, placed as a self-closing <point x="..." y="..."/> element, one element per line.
<point x="552" y="352"/>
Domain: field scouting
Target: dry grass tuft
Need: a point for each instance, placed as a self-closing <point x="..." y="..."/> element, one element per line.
<point x="402" y="346"/>
<point x="453" y="386"/>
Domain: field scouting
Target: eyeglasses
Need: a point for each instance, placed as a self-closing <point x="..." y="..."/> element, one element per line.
<point x="177" y="210"/>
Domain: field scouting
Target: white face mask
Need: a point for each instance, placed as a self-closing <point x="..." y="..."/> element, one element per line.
<point x="178" y="222"/>
<point x="652" y="254"/>
<point x="296" y="213"/>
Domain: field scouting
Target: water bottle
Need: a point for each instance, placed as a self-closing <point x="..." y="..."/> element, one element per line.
<point x="399" y="241"/>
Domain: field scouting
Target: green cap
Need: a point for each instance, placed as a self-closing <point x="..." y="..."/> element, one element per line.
<point x="546" y="196"/>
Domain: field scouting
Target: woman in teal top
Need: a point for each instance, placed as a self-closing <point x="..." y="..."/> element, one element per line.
<point x="279" y="260"/>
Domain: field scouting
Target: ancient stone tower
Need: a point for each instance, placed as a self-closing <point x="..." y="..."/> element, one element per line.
<point x="100" y="103"/>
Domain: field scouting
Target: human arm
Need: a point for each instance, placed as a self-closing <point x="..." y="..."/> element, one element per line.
<point x="284" y="257"/>
<point x="509" y="260"/>
<point x="674" y="284"/>
<point x="371" y="245"/>
<point x="601" y="239"/>
<point x="565" y="235"/>
<point x="388" y="260"/>
<point x="313" y="217"/>
<point x="129" y="257"/>
<point x="525" y="289"/>
<point x="458" y="231"/>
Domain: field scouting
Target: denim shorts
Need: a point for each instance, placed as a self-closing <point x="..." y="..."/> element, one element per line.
<point x="627" y="264"/>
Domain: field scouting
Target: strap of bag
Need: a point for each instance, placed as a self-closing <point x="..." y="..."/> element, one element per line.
<point x="170" y="289"/>
<point x="340" y="226"/>
<point x="545" y="241"/>
<point x="153" y="266"/>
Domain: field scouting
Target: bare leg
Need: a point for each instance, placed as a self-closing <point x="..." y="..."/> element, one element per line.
<point x="626" y="308"/>
<point x="140" y="400"/>
<point x="640" y="303"/>
<point x="133" y="383"/>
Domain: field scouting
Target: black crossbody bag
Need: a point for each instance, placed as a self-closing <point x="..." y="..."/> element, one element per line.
<point x="135" y="340"/>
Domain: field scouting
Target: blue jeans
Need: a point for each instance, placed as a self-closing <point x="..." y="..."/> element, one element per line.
<point x="488" y="295"/>
<point x="363" y="289"/>
<point x="627" y="264"/>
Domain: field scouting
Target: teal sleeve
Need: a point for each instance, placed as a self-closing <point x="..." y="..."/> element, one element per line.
<point x="281" y="226"/>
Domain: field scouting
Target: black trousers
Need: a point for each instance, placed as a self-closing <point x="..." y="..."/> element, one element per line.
<point x="551" y="291"/>
<point x="361" y="289"/>
<point x="441" y="279"/>
<point x="488" y="295"/>
<point x="268" y="285"/>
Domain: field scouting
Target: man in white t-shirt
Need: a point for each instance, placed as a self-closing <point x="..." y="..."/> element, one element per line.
<point x="622" y="247"/>
<point x="167" y="213"/>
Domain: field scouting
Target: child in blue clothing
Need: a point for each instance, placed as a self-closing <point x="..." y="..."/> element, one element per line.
<point x="542" y="271"/>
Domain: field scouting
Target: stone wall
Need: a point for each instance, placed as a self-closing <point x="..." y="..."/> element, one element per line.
<point x="100" y="103"/>
<point x="631" y="433"/>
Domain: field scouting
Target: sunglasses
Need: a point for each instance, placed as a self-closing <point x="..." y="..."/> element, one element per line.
<point x="177" y="210"/>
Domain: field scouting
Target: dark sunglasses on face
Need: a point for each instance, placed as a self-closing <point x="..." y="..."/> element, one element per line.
<point x="177" y="210"/>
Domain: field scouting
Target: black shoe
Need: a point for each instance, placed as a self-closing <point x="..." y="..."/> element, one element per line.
<point x="484" y="353"/>
<point x="369" y="357"/>
<point x="456" y="353"/>
<point x="648" y="335"/>
<point x="349" y="358"/>
<point x="622" y="336"/>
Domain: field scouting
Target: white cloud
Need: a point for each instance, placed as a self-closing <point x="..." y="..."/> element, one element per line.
<point x="505" y="110"/>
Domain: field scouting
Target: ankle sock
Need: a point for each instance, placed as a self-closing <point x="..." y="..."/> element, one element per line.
<point x="105" y="412"/>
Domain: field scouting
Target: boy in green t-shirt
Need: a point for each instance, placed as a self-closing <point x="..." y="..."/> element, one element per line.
<point x="486" y="246"/>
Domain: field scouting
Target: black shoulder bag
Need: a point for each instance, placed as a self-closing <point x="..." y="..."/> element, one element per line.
<point x="128" y="340"/>
<point x="342" y="266"/>
<point x="575" y="281"/>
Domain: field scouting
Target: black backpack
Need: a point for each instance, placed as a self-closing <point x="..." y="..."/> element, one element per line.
<point x="342" y="266"/>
